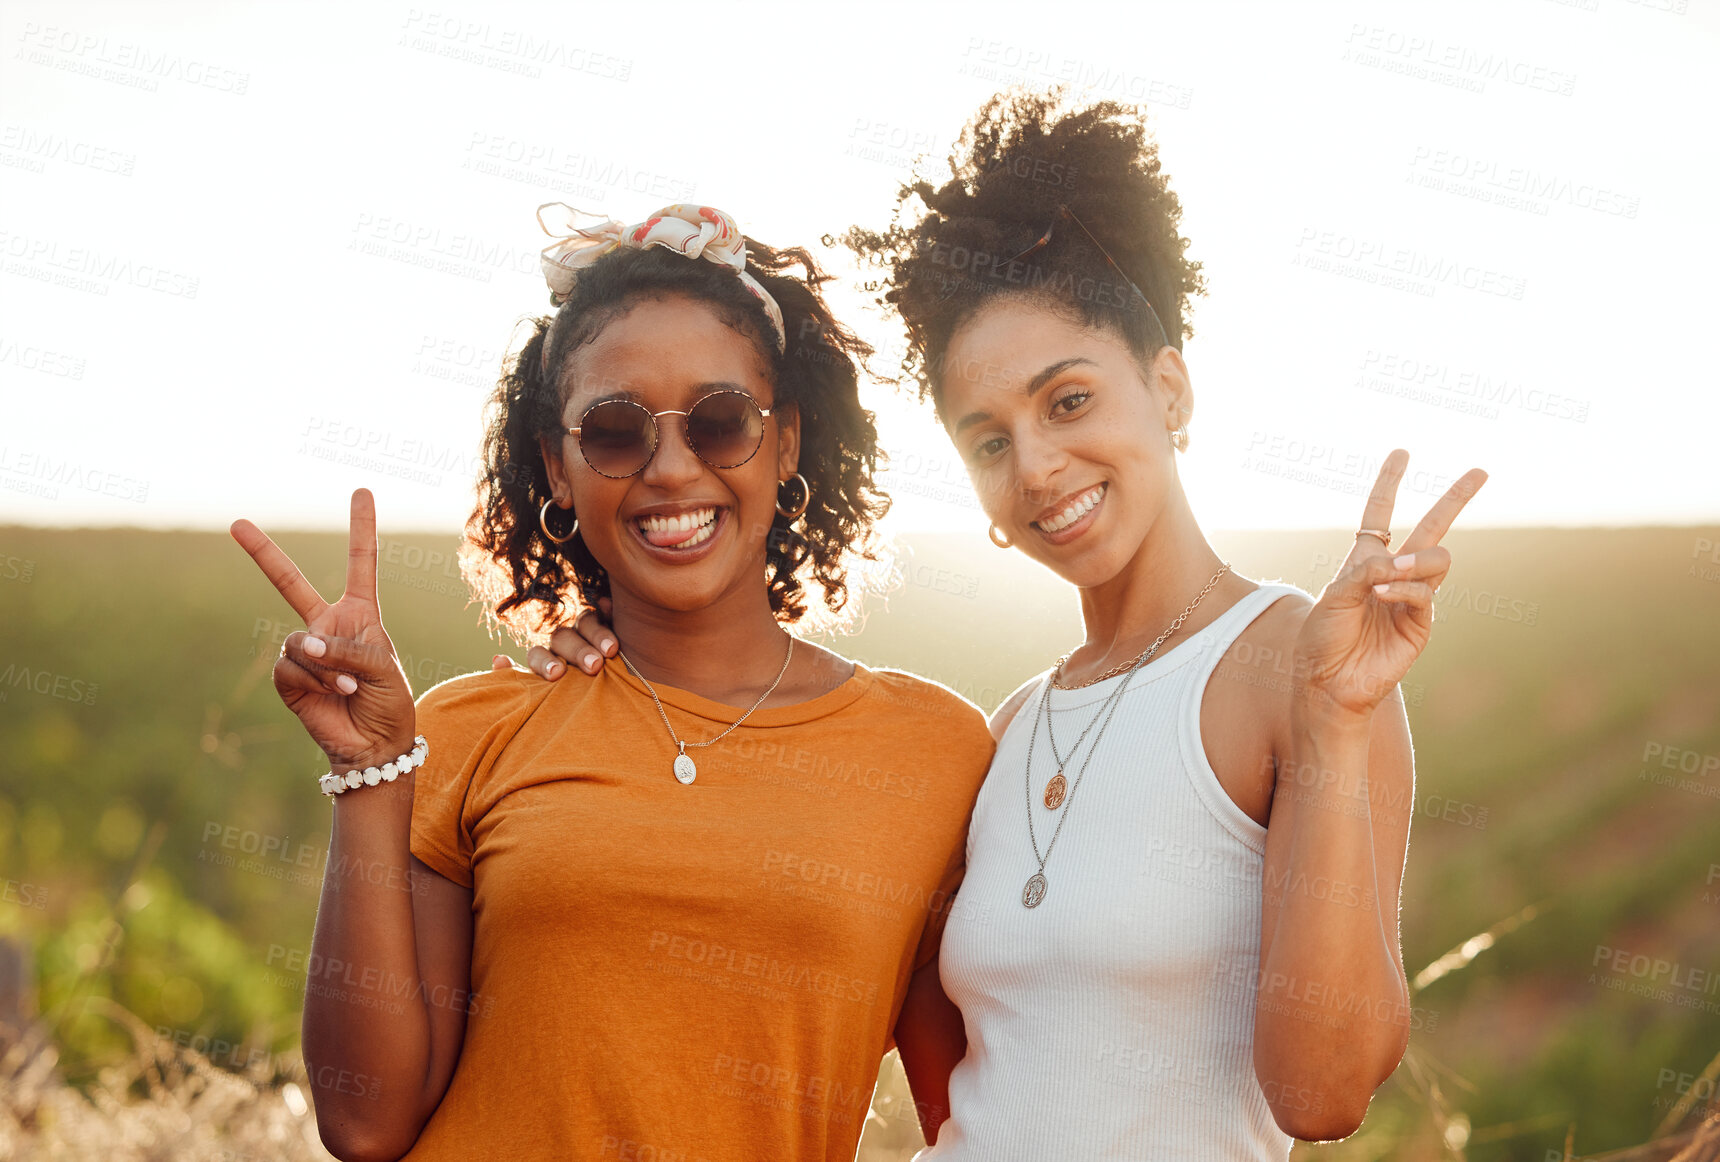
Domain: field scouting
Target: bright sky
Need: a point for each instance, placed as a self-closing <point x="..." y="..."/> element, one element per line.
<point x="242" y="241"/>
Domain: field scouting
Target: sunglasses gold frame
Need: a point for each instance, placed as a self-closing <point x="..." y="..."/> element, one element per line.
<point x="657" y="431"/>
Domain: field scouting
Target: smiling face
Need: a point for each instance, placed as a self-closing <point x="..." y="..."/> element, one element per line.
<point x="1066" y="440"/>
<point x="679" y="535"/>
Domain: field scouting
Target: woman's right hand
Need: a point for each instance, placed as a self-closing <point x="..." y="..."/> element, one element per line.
<point x="342" y="678"/>
<point x="586" y="644"/>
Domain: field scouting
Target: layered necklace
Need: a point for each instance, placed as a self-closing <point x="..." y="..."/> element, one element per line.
<point x="1058" y="791"/>
<point x="685" y="771"/>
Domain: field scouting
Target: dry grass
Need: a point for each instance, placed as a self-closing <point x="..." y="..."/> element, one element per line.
<point x="161" y="1103"/>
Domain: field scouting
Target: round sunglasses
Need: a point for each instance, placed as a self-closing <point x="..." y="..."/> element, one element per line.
<point x="618" y="437"/>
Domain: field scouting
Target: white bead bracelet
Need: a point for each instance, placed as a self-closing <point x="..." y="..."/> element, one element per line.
<point x="333" y="784"/>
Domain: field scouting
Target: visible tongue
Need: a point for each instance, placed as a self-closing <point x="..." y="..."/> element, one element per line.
<point x="671" y="537"/>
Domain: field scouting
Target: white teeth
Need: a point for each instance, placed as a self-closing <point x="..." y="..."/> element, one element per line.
<point x="1073" y="511"/>
<point x="656" y="523"/>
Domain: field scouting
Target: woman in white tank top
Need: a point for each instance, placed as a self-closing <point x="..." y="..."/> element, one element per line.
<point x="1178" y="933"/>
<point x="1178" y="936"/>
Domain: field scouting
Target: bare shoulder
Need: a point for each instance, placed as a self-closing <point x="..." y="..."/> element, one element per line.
<point x="1255" y="674"/>
<point x="1281" y="621"/>
<point x="818" y="671"/>
<point x="913" y="695"/>
<point x="1246" y="708"/>
<point x="1010" y="707"/>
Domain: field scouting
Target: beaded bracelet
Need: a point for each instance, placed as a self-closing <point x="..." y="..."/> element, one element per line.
<point x="333" y="784"/>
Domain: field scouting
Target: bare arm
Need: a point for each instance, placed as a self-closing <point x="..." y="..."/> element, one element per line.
<point x="1005" y="714"/>
<point x="1332" y="1011"/>
<point x="390" y="962"/>
<point x="387" y="987"/>
<point x="1331" y="1004"/>
<point x="932" y="1041"/>
<point x="930" y="1033"/>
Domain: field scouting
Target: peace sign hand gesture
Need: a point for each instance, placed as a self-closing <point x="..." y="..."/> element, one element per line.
<point x="1376" y="616"/>
<point x="342" y="678"/>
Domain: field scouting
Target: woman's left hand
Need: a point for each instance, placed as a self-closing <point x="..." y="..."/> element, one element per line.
<point x="1376" y="616"/>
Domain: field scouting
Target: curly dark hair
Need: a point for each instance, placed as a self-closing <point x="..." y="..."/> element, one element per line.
<point x="1018" y="166"/>
<point x="528" y="583"/>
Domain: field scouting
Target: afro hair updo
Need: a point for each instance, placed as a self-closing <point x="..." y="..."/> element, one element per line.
<point x="1067" y="207"/>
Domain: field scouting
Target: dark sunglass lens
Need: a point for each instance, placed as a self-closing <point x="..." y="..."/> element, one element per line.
<point x="725" y="429"/>
<point x="616" y="437"/>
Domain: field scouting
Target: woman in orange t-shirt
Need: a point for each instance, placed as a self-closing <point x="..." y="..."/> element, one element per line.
<point x="677" y="910"/>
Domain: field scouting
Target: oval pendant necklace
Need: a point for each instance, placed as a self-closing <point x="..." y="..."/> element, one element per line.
<point x="1033" y="892"/>
<point x="684" y="768"/>
<point x="1058" y="791"/>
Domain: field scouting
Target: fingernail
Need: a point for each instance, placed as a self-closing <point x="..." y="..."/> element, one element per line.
<point x="608" y="644"/>
<point x="314" y="646"/>
<point x="553" y="669"/>
<point x="1381" y="588"/>
<point x="1404" y="561"/>
<point x="591" y="664"/>
<point x="345" y="684"/>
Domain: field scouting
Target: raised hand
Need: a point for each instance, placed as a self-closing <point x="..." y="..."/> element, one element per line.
<point x="1376" y="616"/>
<point x="586" y="645"/>
<point x="341" y="678"/>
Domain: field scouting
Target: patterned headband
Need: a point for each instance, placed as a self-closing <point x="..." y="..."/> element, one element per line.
<point x="695" y="231"/>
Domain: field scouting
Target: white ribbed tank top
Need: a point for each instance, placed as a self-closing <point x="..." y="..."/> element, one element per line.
<point x="1115" y="1020"/>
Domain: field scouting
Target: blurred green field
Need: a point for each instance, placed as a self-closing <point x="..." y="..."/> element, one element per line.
<point x="161" y="834"/>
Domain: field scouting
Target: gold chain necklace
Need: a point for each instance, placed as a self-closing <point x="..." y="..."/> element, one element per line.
<point x="685" y="771"/>
<point x="1057" y="670"/>
<point x="1055" y="789"/>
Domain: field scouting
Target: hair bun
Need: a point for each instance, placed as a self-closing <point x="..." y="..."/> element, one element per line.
<point x="1022" y="157"/>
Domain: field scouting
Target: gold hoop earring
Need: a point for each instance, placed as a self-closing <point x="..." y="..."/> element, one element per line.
<point x="1001" y="540"/>
<point x="805" y="497"/>
<point x="543" y="523"/>
<point x="1179" y="439"/>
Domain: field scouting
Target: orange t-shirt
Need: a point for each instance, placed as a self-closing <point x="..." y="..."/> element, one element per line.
<point x="690" y="973"/>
